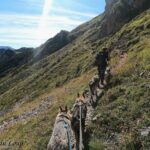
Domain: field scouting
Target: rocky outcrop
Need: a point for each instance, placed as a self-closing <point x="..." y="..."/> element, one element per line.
<point x="119" y="12"/>
<point x="109" y="4"/>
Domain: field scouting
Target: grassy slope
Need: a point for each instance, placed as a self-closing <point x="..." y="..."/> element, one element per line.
<point x="127" y="97"/>
<point x="30" y="81"/>
<point x="124" y="109"/>
<point x="30" y="84"/>
<point x="35" y="132"/>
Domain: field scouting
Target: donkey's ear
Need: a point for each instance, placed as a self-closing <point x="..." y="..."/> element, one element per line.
<point x="78" y="95"/>
<point x="66" y="108"/>
<point x="83" y="94"/>
<point x="60" y="109"/>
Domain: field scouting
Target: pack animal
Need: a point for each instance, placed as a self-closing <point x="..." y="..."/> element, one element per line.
<point x="63" y="137"/>
<point x="80" y="105"/>
<point x="94" y="84"/>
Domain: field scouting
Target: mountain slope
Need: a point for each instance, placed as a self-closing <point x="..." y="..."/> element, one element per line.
<point x="123" y="112"/>
<point x="64" y="38"/>
<point x="59" y="76"/>
<point x="43" y="76"/>
<point x="11" y="59"/>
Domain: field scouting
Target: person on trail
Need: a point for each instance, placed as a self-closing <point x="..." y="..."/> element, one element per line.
<point x="102" y="59"/>
<point x="76" y="116"/>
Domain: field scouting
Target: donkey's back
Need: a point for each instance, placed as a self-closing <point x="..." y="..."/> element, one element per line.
<point x="62" y="137"/>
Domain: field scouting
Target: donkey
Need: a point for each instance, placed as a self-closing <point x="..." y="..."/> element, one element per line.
<point x="94" y="84"/>
<point x="63" y="137"/>
<point x="77" y="115"/>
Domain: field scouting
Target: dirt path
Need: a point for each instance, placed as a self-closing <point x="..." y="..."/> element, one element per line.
<point x="122" y="61"/>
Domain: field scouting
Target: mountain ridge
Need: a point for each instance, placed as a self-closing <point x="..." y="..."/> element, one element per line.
<point x="6" y="48"/>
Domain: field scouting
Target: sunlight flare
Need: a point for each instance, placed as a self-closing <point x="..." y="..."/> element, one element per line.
<point x="42" y="28"/>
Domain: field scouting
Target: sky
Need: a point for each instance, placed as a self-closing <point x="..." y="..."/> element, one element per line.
<point x="29" y="23"/>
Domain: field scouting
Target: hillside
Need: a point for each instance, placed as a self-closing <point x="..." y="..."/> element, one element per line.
<point x="11" y="59"/>
<point x="31" y="91"/>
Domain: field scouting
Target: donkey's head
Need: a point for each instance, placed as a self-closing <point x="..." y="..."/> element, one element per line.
<point x="64" y="112"/>
<point x="80" y="101"/>
<point x="81" y="98"/>
<point x="63" y="109"/>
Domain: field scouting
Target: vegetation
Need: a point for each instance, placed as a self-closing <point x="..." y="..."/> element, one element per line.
<point x="124" y="108"/>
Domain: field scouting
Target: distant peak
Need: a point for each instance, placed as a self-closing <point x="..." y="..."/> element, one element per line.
<point x="6" y="48"/>
<point x="64" y="31"/>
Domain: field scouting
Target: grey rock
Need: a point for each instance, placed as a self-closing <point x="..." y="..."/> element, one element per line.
<point x="145" y="131"/>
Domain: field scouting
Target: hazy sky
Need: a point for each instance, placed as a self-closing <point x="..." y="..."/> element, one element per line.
<point x="29" y="23"/>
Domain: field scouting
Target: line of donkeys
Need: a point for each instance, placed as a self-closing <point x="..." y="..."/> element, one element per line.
<point x="69" y="131"/>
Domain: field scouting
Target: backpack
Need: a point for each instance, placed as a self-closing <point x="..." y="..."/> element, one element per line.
<point x="101" y="58"/>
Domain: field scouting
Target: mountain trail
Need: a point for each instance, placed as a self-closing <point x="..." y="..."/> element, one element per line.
<point x="122" y="61"/>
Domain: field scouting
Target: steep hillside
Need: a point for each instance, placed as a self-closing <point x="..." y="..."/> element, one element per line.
<point x="54" y="44"/>
<point x="12" y="59"/>
<point x="6" y="54"/>
<point x="33" y="79"/>
<point x="31" y="93"/>
<point x="122" y="115"/>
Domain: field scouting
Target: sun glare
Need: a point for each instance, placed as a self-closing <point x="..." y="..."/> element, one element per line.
<point x="43" y="22"/>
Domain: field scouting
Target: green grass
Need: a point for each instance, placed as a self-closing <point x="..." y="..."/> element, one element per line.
<point x="96" y="145"/>
<point x="124" y="108"/>
<point x="36" y="131"/>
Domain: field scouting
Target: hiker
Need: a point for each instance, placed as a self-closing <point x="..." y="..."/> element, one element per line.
<point x="76" y="116"/>
<point x="102" y="59"/>
<point x="63" y="137"/>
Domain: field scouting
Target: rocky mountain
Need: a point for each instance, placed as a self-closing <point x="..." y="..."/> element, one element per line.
<point x="122" y="11"/>
<point x="31" y="91"/>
